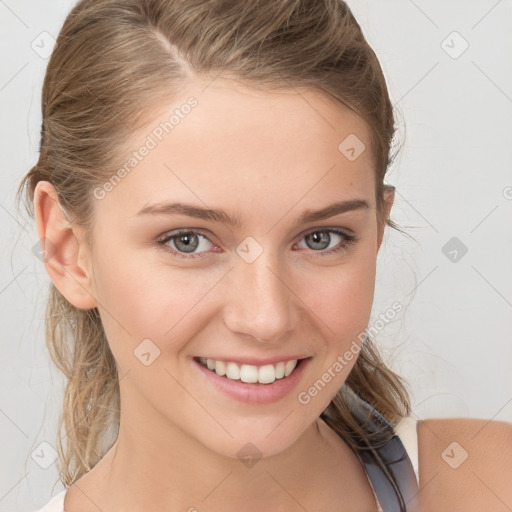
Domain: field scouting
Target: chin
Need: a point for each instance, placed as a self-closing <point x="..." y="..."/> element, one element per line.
<point x="253" y="439"/>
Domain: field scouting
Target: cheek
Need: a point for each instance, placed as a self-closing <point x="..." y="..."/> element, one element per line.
<point x="341" y="298"/>
<point x="341" y="308"/>
<point x="140" y="299"/>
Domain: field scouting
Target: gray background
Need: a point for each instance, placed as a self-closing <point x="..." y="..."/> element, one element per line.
<point x="453" y="340"/>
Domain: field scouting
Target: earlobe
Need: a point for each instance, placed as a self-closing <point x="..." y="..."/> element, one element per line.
<point x="61" y="248"/>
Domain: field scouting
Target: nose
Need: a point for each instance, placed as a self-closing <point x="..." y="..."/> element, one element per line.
<point x="260" y="302"/>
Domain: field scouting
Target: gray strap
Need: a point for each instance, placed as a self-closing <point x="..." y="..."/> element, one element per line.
<point x="388" y="466"/>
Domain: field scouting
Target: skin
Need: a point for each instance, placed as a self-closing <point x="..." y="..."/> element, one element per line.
<point x="464" y="464"/>
<point x="266" y="157"/>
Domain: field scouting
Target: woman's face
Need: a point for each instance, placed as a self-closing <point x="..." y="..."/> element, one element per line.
<point x="269" y="287"/>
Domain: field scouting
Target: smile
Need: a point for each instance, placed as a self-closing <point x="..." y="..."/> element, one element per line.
<point x="249" y="373"/>
<point x="252" y="384"/>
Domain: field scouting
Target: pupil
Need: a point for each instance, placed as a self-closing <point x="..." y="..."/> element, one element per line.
<point x="184" y="241"/>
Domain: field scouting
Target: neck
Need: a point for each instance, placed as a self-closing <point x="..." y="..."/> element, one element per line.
<point x="174" y="472"/>
<point x="155" y="465"/>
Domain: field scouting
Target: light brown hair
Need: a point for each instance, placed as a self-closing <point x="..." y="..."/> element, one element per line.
<point x="113" y="62"/>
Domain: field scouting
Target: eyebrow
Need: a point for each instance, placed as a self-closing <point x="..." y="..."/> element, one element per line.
<point x="216" y="215"/>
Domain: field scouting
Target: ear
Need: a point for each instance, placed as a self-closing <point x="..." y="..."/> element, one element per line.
<point x="64" y="252"/>
<point x="389" y="198"/>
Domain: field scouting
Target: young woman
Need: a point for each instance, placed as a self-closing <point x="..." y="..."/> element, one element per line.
<point x="210" y="198"/>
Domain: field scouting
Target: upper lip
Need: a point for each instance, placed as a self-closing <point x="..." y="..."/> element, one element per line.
<point x="254" y="361"/>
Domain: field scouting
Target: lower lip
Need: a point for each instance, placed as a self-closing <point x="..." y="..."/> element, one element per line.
<point x="255" y="393"/>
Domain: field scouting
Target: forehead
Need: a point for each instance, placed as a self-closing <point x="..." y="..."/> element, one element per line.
<point x="239" y="144"/>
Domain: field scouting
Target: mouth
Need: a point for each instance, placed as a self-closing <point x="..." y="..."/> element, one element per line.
<point x="251" y="374"/>
<point x="252" y="384"/>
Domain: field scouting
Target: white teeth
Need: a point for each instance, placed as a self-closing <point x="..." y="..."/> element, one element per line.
<point x="279" y="370"/>
<point x="249" y="373"/>
<point x="267" y="374"/>
<point x="232" y="371"/>
<point x="290" y="365"/>
<point x="220" y="368"/>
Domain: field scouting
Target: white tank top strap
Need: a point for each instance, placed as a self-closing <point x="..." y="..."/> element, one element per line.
<point x="406" y="431"/>
<point x="56" y="504"/>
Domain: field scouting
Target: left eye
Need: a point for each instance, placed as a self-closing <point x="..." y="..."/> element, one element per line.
<point x="185" y="242"/>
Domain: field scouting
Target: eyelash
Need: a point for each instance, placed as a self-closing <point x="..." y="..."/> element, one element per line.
<point x="343" y="246"/>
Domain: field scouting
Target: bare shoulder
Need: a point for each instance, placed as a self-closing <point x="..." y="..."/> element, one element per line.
<point x="465" y="464"/>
